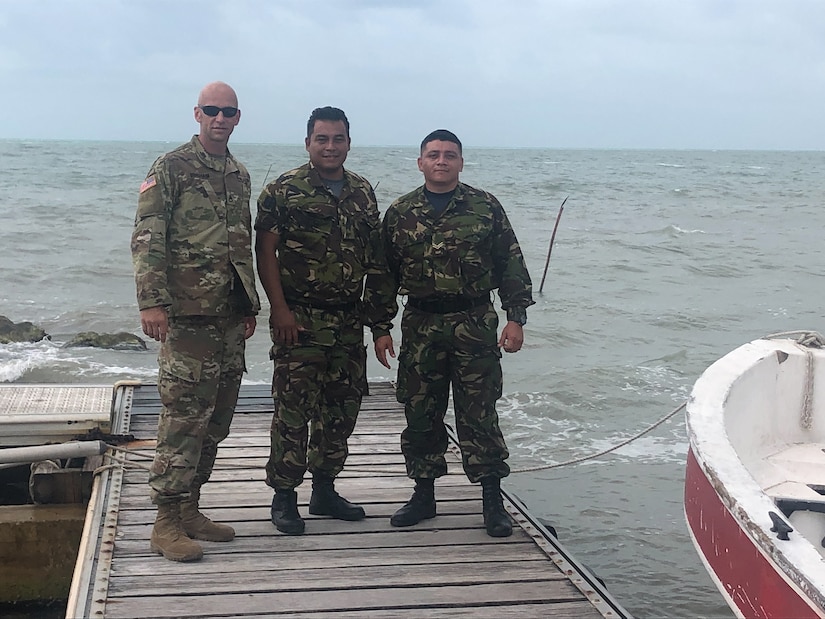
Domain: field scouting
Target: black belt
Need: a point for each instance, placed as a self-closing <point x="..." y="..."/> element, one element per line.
<point x="447" y="305"/>
<point x="329" y="307"/>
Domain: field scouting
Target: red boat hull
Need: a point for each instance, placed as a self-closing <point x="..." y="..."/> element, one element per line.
<point x="750" y="580"/>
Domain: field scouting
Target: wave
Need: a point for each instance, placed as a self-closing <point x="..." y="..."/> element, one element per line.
<point x="48" y="362"/>
<point x="18" y="359"/>
<point x="541" y="430"/>
<point x="677" y="230"/>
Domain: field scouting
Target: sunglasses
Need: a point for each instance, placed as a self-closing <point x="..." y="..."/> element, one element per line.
<point x="213" y="110"/>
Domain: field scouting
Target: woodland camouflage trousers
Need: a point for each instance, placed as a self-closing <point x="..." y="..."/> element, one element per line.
<point x="317" y="392"/>
<point x="440" y="351"/>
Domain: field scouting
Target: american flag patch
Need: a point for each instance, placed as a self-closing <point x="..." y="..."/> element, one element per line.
<point x="148" y="184"/>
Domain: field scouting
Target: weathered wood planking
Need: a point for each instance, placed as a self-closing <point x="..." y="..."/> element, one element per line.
<point x="444" y="567"/>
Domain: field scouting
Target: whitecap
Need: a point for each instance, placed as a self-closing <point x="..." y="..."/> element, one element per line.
<point x="678" y="230"/>
<point x="18" y="359"/>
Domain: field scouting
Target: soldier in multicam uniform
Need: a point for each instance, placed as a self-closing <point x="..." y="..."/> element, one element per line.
<point x="192" y="254"/>
<point x="317" y="236"/>
<point x="448" y="245"/>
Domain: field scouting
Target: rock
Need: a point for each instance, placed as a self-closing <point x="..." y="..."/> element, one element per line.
<point x="116" y="341"/>
<point x="11" y="332"/>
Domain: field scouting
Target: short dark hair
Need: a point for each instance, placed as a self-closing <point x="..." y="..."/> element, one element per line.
<point x="442" y="135"/>
<point x="326" y="113"/>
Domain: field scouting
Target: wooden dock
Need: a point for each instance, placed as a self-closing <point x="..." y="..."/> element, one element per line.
<point x="444" y="567"/>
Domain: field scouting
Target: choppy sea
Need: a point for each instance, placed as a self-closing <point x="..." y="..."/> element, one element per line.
<point x="663" y="261"/>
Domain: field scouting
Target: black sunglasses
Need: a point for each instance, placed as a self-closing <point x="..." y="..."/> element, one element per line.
<point x="212" y="110"/>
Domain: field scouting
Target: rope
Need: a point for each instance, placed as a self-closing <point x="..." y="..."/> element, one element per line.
<point x="809" y="340"/>
<point x="807" y="399"/>
<point x="545" y="467"/>
<point x="130" y="464"/>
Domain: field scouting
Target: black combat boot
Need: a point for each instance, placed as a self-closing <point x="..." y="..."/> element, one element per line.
<point x="325" y="501"/>
<point x="284" y="512"/>
<point x="421" y="505"/>
<point x="496" y="518"/>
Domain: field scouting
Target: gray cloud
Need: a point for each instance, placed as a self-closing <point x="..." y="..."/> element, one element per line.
<point x="554" y="73"/>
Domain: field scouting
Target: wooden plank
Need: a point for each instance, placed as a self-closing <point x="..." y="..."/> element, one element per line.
<point x="386" y="599"/>
<point x="285" y="559"/>
<point x="262" y="539"/>
<point x="461" y="528"/>
<point x="349" y="476"/>
<point x="300" y="577"/>
<point x="135" y="512"/>
<point x="559" y="610"/>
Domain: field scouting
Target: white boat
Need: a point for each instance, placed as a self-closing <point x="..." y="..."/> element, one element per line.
<point x="755" y="475"/>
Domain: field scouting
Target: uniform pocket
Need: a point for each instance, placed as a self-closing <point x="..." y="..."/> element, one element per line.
<point x="401" y="391"/>
<point x="281" y="377"/>
<point x="180" y="366"/>
<point x="475" y="249"/>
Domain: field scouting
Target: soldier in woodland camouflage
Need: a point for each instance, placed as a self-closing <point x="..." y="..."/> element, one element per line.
<point x="192" y="254"/>
<point x="448" y="246"/>
<point x="317" y="236"/>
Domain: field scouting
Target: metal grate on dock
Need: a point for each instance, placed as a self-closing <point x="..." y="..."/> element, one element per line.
<point x="444" y="567"/>
<point x="39" y="414"/>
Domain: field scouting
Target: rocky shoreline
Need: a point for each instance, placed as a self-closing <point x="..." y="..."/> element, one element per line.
<point x="27" y="332"/>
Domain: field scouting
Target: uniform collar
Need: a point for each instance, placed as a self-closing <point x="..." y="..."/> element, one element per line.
<point x="213" y="162"/>
<point x="315" y="176"/>
<point x="460" y="195"/>
<point x="316" y="181"/>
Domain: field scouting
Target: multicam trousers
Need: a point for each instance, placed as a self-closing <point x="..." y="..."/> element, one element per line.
<point x="459" y="350"/>
<point x="317" y="392"/>
<point x="200" y="369"/>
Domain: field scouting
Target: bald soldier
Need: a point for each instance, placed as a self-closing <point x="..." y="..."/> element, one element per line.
<point x="192" y="255"/>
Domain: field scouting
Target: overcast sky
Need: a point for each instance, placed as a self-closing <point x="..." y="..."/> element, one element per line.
<point x="741" y="74"/>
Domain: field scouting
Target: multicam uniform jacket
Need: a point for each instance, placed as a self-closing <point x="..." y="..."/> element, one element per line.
<point x="192" y="244"/>
<point x="326" y="246"/>
<point x="468" y="250"/>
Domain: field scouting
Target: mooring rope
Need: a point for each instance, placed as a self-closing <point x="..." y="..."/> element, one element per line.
<point x="545" y="467"/>
<point x="131" y="464"/>
<point x="811" y="339"/>
<point x="808" y="340"/>
<point x="121" y="461"/>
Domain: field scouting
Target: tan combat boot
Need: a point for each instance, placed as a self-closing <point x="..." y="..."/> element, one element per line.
<point x="168" y="537"/>
<point x="198" y="526"/>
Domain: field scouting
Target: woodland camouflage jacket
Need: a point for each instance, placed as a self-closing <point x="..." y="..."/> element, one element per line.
<point x="468" y="250"/>
<point x="326" y="244"/>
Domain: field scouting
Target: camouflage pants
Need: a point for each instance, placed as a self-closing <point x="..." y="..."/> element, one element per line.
<point x="459" y="350"/>
<point x="200" y="369"/>
<point x="317" y="392"/>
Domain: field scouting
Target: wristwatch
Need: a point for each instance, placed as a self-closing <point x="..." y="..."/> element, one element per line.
<point x="517" y="315"/>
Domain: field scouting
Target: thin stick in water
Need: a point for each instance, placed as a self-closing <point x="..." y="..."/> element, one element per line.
<point x="552" y="239"/>
<point x="268" y="170"/>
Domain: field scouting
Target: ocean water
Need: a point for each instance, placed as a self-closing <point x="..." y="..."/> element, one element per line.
<point x="663" y="262"/>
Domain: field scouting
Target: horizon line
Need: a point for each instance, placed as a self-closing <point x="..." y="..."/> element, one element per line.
<point x="466" y="147"/>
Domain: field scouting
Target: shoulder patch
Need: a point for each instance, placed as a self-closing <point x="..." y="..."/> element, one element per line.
<point x="148" y="183"/>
